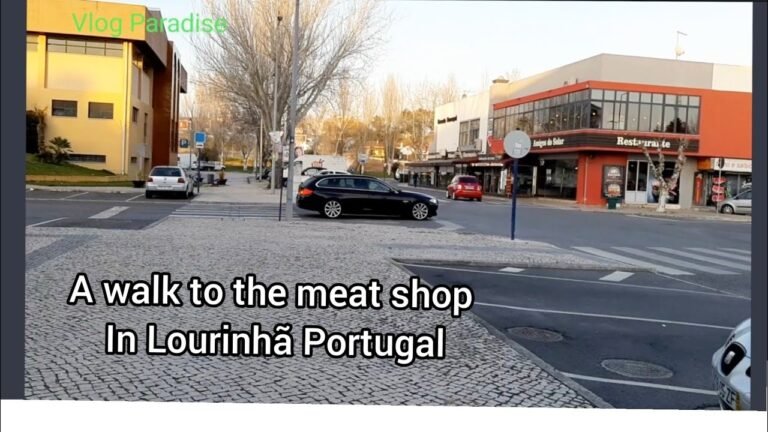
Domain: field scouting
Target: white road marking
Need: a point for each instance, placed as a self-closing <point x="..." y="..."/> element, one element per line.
<point x="705" y="259"/>
<point x="613" y="284"/>
<point x="673" y="261"/>
<point x="45" y="222"/>
<point x="616" y="317"/>
<point x="738" y="250"/>
<point x="106" y="214"/>
<point x="75" y="195"/>
<point x="213" y="216"/>
<point x="616" y="276"/>
<point x="620" y="258"/>
<point x="512" y="270"/>
<point x="133" y="198"/>
<point x="722" y="254"/>
<point x="641" y="384"/>
<point x="448" y="226"/>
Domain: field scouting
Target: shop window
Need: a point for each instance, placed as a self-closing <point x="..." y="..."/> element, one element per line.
<point x="658" y="98"/>
<point x="620" y="114"/>
<point x="633" y="117"/>
<point x="607" y="115"/>
<point x="644" y="118"/>
<point x="609" y="95"/>
<point x="645" y="98"/>
<point x="64" y="108"/>
<point x="595" y="115"/>
<point x="597" y="94"/>
<point x="693" y="120"/>
<point x="693" y="101"/>
<point x="634" y="97"/>
<point x="656" y="118"/>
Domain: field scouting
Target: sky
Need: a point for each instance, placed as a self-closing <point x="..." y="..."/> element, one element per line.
<point x="477" y="41"/>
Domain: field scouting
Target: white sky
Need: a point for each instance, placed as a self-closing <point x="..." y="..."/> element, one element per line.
<point x="473" y="40"/>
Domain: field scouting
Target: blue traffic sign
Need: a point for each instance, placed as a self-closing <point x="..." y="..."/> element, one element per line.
<point x="199" y="139"/>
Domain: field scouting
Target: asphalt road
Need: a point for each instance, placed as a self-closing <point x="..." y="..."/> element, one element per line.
<point x="96" y="209"/>
<point x="671" y="326"/>
<point x="715" y="254"/>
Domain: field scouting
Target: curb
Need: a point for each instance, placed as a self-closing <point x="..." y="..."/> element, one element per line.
<point x="554" y="266"/>
<point x="577" y="388"/>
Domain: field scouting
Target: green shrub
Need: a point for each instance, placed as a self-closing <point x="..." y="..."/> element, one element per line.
<point x="55" y="151"/>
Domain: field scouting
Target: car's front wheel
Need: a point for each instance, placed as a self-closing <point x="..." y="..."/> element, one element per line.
<point x="147" y="195"/>
<point x="419" y="211"/>
<point x="727" y="209"/>
<point x="332" y="209"/>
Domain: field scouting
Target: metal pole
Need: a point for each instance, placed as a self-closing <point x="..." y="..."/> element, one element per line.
<point x="273" y="179"/>
<point x="292" y="112"/>
<point x="514" y="198"/>
<point x="261" y="147"/>
<point x="199" y="180"/>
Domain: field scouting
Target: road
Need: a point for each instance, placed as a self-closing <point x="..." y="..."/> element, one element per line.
<point x="592" y="330"/>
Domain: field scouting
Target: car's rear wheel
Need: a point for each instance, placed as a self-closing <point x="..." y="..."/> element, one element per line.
<point x="147" y="195"/>
<point x="480" y="199"/>
<point x="419" y="211"/>
<point x="332" y="209"/>
<point x="727" y="209"/>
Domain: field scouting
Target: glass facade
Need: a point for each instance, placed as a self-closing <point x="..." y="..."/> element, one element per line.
<point x="602" y="109"/>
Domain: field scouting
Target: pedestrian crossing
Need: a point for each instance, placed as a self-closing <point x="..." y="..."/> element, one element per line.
<point x="227" y="211"/>
<point x="677" y="261"/>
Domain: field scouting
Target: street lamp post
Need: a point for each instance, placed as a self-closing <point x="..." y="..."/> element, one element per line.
<point x="274" y="177"/>
<point x="292" y="112"/>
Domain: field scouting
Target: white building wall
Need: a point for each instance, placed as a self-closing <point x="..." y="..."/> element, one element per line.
<point x="468" y="108"/>
<point x="732" y="78"/>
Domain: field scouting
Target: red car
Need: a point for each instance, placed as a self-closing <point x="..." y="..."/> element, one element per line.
<point x="464" y="186"/>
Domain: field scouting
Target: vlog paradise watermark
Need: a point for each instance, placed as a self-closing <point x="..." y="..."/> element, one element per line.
<point x="193" y="23"/>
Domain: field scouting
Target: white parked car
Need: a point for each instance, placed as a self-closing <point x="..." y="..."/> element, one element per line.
<point x="170" y="180"/>
<point x="731" y="367"/>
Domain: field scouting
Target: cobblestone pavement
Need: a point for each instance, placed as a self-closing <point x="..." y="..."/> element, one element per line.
<point x="65" y="344"/>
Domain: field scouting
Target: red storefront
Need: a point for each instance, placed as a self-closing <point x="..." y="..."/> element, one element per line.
<point x="586" y="133"/>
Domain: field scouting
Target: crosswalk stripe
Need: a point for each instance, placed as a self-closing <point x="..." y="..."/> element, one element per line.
<point x="616" y="276"/>
<point x="673" y="261"/>
<point x="738" y="251"/>
<point x="106" y="214"/>
<point x="511" y="269"/>
<point x="722" y="254"/>
<point x="219" y="217"/>
<point x="659" y="268"/>
<point x="705" y="259"/>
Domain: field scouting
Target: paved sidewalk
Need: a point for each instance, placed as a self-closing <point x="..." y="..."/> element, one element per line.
<point x="240" y="188"/>
<point x="698" y="213"/>
<point x="65" y="354"/>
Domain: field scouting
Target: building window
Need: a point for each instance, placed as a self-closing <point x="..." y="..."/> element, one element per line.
<point x="64" y="108"/>
<point x="474" y="131"/>
<point x="146" y="124"/>
<point x="87" y="158"/>
<point x="463" y="133"/>
<point x="32" y="43"/>
<point x="100" y="110"/>
<point x="86" y="46"/>
<point x="134" y="159"/>
<point x="134" y="115"/>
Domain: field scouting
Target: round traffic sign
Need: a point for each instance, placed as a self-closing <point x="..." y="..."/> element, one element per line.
<point x="517" y="144"/>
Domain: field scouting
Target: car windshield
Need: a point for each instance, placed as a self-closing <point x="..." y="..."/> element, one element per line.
<point x="166" y="172"/>
<point x="471" y="180"/>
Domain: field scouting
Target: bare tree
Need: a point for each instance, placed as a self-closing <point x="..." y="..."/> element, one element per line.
<point x="668" y="185"/>
<point x="391" y="110"/>
<point x="335" y="42"/>
<point x="342" y="105"/>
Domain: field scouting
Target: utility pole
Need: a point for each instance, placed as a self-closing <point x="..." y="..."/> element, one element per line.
<point x="292" y="112"/>
<point x="275" y="165"/>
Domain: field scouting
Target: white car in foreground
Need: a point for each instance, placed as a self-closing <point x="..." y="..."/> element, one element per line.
<point x="168" y="180"/>
<point x="731" y="366"/>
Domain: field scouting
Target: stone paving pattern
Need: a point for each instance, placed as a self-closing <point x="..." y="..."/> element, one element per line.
<point x="64" y="344"/>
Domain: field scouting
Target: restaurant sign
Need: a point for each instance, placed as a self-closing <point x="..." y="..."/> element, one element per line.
<point x="610" y="140"/>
